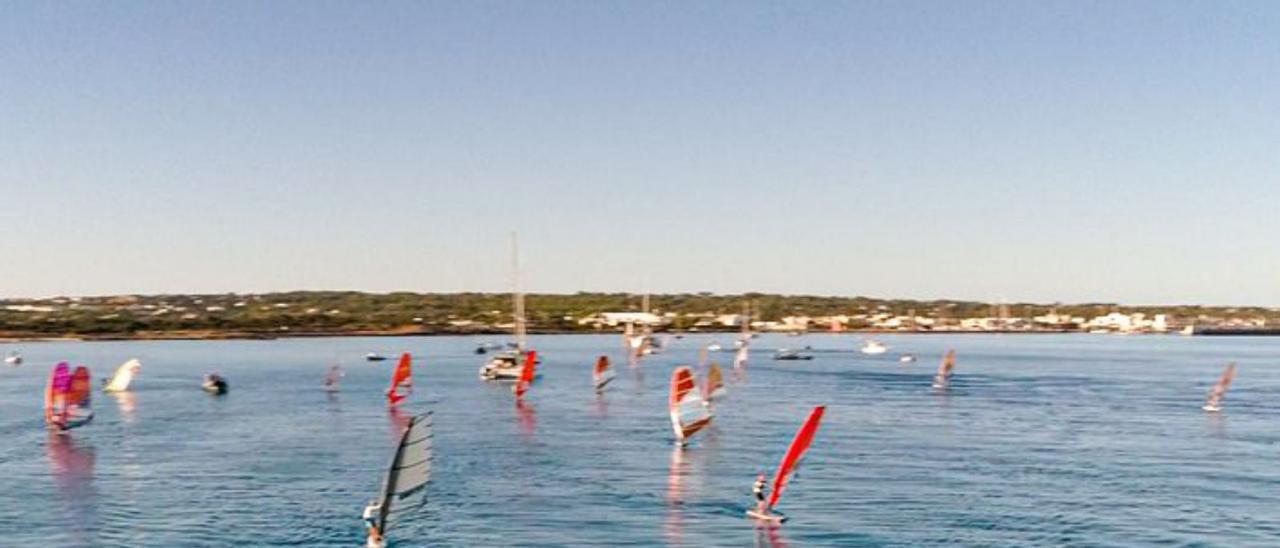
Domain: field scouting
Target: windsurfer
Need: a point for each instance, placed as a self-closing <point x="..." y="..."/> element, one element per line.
<point x="371" y="515"/>
<point x="758" y="489"/>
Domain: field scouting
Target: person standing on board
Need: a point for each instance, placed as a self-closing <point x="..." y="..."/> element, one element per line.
<point x="758" y="489"/>
<point x="371" y="523"/>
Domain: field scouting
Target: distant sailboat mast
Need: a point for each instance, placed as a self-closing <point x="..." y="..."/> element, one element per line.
<point x="516" y="296"/>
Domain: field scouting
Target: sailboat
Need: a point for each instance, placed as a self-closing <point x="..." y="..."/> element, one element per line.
<point x="401" y="380"/>
<point x="790" y="462"/>
<point x="526" y="374"/>
<point x="873" y="347"/>
<point x="713" y="388"/>
<point x="123" y="377"/>
<point x="943" y="378"/>
<point x="1214" y="403"/>
<point x="601" y="374"/>
<point x="406" y="480"/>
<point x="506" y="366"/>
<point x="331" y="378"/>
<point x="67" y="398"/>
<point x="688" y="414"/>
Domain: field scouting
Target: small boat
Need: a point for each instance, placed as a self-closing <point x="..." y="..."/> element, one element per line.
<point x="713" y="388"/>
<point x="790" y="462"/>
<point x="688" y="414"/>
<point x="788" y="354"/>
<point x="375" y="357"/>
<point x="484" y="348"/>
<point x="526" y="374"/>
<point x="14" y="358"/>
<point x="943" y="378"/>
<point x="123" y="377"/>
<point x="795" y="333"/>
<point x="504" y="366"/>
<point x="714" y="347"/>
<point x="1214" y="402"/>
<point x="601" y="374"/>
<point x="331" y="378"/>
<point x="907" y="358"/>
<point x="874" y="347"/>
<point x="404" y="485"/>
<point x="401" y="380"/>
<point x="67" y="398"/>
<point x="214" y="384"/>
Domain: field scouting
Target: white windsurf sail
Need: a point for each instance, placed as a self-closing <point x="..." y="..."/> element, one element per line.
<point x="123" y="377"/>
<point x="408" y="473"/>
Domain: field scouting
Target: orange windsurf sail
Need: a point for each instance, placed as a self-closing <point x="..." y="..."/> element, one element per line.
<point x="944" y="370"/>
<point x="401" y="380"/>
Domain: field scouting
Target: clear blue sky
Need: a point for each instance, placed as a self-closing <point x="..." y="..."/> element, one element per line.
<point x="1073" y="151"/>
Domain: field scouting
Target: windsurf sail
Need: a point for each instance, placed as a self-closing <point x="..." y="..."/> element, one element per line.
<point x="526" y="374"/>
<point x="401" y="380"/>
<point x="68" y="398"/>
<point x="791" y="460"/>
<point x="332" y="377"/>
<point x="602" y="373"/>
<point x="688" y="414"/>
<point x="944" y="370"/>
<point x="714" y="387"/>
<point x="123" y="377"/>
<point x="740" y="359"/>
<point x="1219" y="390"/>
<point x="408" y="473"/>
<point x="55" y="394"/>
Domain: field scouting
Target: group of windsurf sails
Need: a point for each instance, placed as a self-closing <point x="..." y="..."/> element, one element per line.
<point x="405" y="482"/>
<point x="786" y="468"/>
<point x="67" y="398"/>
<point x="688" y="412"/>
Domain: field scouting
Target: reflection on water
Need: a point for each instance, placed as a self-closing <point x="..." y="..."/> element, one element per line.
<point x="72" y="465"/>
<point x="677" y="471"/>
<point x="527" y="419"/>
<point x="127" y="403"/>
<point x="769" y="536"/>
<point x="399" y="421"/>
<point x="1217" y="425"/>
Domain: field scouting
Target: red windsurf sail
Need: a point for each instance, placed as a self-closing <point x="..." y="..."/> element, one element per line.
<point x="795" y="452"/>
<point x="526" y="373"/>
<point x="944" y="370"/>
<point x="688" y="414"/>
<point x="401" y="380"/>
<point x="601" y="374"/>
<point x="55" y="394"/>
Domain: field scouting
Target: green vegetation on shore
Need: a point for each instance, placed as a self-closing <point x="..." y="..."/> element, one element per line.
<point x="346" y="312"/>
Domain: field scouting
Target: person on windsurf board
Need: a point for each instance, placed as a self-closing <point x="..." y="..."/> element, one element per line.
<point x="758" y="489"/>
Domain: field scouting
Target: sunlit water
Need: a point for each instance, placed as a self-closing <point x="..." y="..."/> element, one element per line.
<point x="1041" y="440"/>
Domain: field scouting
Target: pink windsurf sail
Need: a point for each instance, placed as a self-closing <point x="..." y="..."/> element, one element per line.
<point x="1214" y="402"/>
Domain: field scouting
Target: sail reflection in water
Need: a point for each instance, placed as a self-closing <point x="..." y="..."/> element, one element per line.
<point x="72" y="467"/>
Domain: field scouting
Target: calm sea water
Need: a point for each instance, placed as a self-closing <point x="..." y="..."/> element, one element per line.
<point x="1081" y="440"/>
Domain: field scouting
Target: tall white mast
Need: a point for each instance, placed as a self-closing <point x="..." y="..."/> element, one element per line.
<point x="516" y="296"/>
